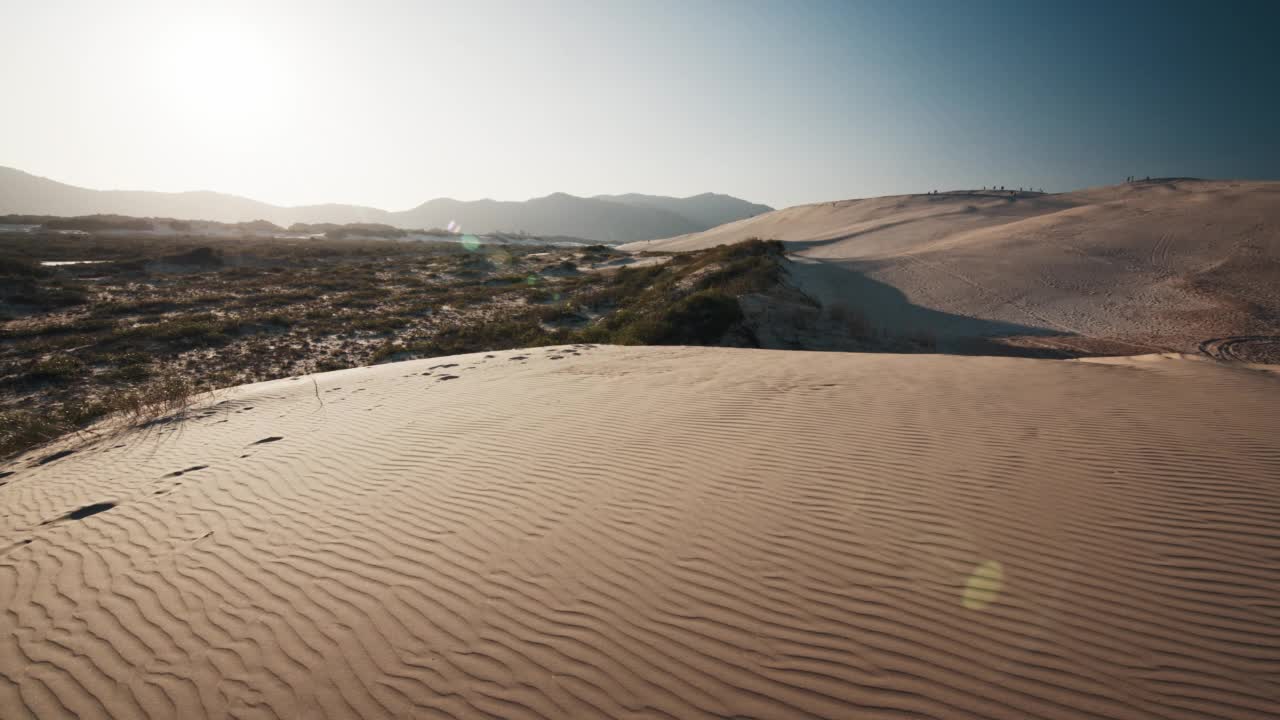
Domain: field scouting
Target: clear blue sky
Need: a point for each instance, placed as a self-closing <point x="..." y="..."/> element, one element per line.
<point x="391" y="102"/>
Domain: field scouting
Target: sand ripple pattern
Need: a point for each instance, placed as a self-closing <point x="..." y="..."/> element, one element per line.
<point x="663" y="533"/>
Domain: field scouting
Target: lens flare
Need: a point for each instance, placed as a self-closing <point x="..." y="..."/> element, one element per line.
<point x="470" y="243"/>
<point x="454" y="227"/>
<point x="532" y="280"/>
<point x="983" y="586"/>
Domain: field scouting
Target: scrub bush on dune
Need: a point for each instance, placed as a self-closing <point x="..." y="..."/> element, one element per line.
<point x="702" y="318"/>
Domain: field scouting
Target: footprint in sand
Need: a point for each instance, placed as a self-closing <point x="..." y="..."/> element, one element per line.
<point x="15" y="546"/>
<point x="180" y="473"/>
<point x="56" y="456"/>
<point x="89" y="510"/>
<point x="83" y="512"/>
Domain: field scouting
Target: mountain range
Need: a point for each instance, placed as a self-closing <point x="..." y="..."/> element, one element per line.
<point x="603" y="218"/>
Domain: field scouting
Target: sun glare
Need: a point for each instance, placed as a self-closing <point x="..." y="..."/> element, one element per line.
<point x="222" y="80"/>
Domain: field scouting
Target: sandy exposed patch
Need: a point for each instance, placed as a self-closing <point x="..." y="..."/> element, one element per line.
<point x="626" y="261"/>
<point x="662" y="532"/>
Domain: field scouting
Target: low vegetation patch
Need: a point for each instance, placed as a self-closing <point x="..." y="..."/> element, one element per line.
<point x="141" y="404"/>
<point x="155" y="320"/>
<point x="159" y="320"/>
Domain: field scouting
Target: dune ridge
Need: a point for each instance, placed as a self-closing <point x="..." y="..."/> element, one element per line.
<point x="1164" y="265"/>
<point x="662" y="532"/>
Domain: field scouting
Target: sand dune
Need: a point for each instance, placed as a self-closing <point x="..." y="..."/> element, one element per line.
<point x="662" y="532"/>
<point x="1161" y="265"/>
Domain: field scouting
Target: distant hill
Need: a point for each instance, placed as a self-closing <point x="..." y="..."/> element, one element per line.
<point x="555" y="214"/>
<point x="621" y="218"/>
<point x="707" y="209"/>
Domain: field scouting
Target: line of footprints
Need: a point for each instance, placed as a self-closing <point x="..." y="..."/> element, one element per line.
<point x="80" y="513"/>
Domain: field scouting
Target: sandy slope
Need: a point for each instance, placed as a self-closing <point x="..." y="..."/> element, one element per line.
<point x="1159" y="265"/>
<point x="663" y="532"/>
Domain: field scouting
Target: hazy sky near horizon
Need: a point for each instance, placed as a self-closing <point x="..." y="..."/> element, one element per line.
<point x="393" y="102"/>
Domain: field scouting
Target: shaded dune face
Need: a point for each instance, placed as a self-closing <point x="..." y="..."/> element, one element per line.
<point x="663" y="532"/>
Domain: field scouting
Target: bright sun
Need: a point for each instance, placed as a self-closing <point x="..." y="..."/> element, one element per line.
<point x="222" y="81"/>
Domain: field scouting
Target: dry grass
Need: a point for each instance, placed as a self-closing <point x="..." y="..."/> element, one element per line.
<point x="160" y="398"/>
<point x="148" y="337"/>
<point x="163" y="320"/>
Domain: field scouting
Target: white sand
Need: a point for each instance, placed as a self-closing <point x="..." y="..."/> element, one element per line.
<point x="663" y="532"/>
<point x="1161" y="265"/>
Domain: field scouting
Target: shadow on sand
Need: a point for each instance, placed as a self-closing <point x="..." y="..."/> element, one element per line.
<point x="888" y="310"/>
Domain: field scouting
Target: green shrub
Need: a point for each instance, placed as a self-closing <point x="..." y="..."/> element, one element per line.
<point x="474" y="337"/>
<point x="169" y="392"/>
<point x="20" y="267"/>
<point x="54" y="295"/>
<point x="537" y="295"/>
<point x="557" y="312"/>
<point x="127" y="357"/>
<point x="702" y="318"/>
<point x="126" y="374"/>
<point x="79" y="326"/>
<point x="22" y="429"/>
<point x="380" y="324"/>
<point x="197" y="330"/>
<point x="58" y="368"/>
<point x="509" y="279"/>
<point x="137" y="307"/>
<point x="748" y="267"/>
<point x="280" y="298"/>
<point x="358" y="300"/>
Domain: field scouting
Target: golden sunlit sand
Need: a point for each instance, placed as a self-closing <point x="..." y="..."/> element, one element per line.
<point x="522" y="361"/>
<point x="661" y="532"/>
